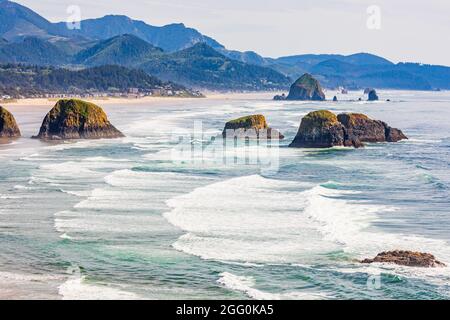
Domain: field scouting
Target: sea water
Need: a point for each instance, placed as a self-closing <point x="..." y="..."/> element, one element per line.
<point x="132" y="218"/>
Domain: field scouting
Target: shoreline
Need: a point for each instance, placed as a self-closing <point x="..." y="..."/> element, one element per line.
<point x="28" y="102"/>
<point x="209" y="96"/>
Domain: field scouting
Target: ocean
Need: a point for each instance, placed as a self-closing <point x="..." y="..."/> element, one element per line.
<point x="170" y="213"/>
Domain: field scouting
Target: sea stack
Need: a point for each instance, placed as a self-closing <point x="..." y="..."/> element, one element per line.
<point x="8" y="125"/>
<point x="280" y="97"/>
<point x="407" y="258"/>
<point x="250" y="127"/>
<point x="361" y="127"/>
<point x="77" y="119"/>
<point x="323" y="129"/>
<point x="306" y="88"/>
<point x="373" y="96"/>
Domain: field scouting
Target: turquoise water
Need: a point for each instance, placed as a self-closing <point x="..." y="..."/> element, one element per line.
<point x="132" y="219"/>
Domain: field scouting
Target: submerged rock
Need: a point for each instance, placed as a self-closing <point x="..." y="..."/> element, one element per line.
<point x="323" y="129"/>
<point x="373" y="95"/>
<point x="77" y="119"/>
<point x="251" y="127"/>
<point x="306" y="88"/>
<point x="407" y="258"/>
<point x="8" y="125"/>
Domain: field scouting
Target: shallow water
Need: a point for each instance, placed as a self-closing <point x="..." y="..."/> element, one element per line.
<point x="135" y="218"/>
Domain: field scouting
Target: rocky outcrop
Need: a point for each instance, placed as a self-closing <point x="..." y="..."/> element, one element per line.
<point x="76" y="119"/>
<point x="280" y="97"/>
<point x="406" y="258"/>
<point x="306" y="88"/>
<point x="323" y="129"/>
<point x="373" y="96"/>
<point x="250" y="127"/>
<point x="361" y="127"/>
<point x="393" y="134"/>
<point x="335" y="99"/>
<point x="8" y="125"/>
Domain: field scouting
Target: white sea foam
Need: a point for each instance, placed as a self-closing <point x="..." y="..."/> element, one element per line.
<point x="253" y="219"/>
<point x="137" y="180"/>
<point x="73" y="222"/>
<point x="16" y="285"/>
<point x="77" y="288"/>
<point x="21" y="187"/>
<point x="248" y="219"/>
<point x="247" y="286"/>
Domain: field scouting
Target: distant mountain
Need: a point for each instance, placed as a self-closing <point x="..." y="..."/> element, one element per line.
<point x="359" y="59"/>
<point x="365" y="59"/>
<point x="18" y="21"/>
<point x="364" y="70"/>
<point x="170" y="38"/>
<point x="393" y="79"/>
<point x="124" y="50"/>
<point x="437" y="76"/>
<point x="32" y="50"/>
<point x="249" y="57"/>
<point x="202" y="66"/>
<point x="20" y="80"/>
<point x="26" y="37"/>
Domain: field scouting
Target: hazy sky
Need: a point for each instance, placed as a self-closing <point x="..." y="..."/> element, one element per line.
<point x="411" y="30"/>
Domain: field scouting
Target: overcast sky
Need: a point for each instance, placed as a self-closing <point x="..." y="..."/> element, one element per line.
<point x="411" y="30"/>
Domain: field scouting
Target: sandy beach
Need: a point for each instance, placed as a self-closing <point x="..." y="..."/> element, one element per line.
<point x="145" y="100"/>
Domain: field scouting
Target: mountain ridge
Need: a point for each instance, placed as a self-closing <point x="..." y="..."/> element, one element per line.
<point x="54" y="44"/>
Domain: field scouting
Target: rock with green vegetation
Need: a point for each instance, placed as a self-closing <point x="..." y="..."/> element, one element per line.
<point x="321" y="129"/>
<point x="8" y="125"/>
<point x="250" y="127"/>
<point x="306" y="88"/>
<point x="77" y="119"/>
<point x="361" y="127"/>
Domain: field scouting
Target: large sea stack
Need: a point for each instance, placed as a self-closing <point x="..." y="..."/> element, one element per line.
<point x="373" y="96"/>
<point x="323" y="129"/>
<point x="77" y="119"/>
<point x="250" y="127"/>
<point x="8" y="125"/>
<point x="306" y="88"/>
